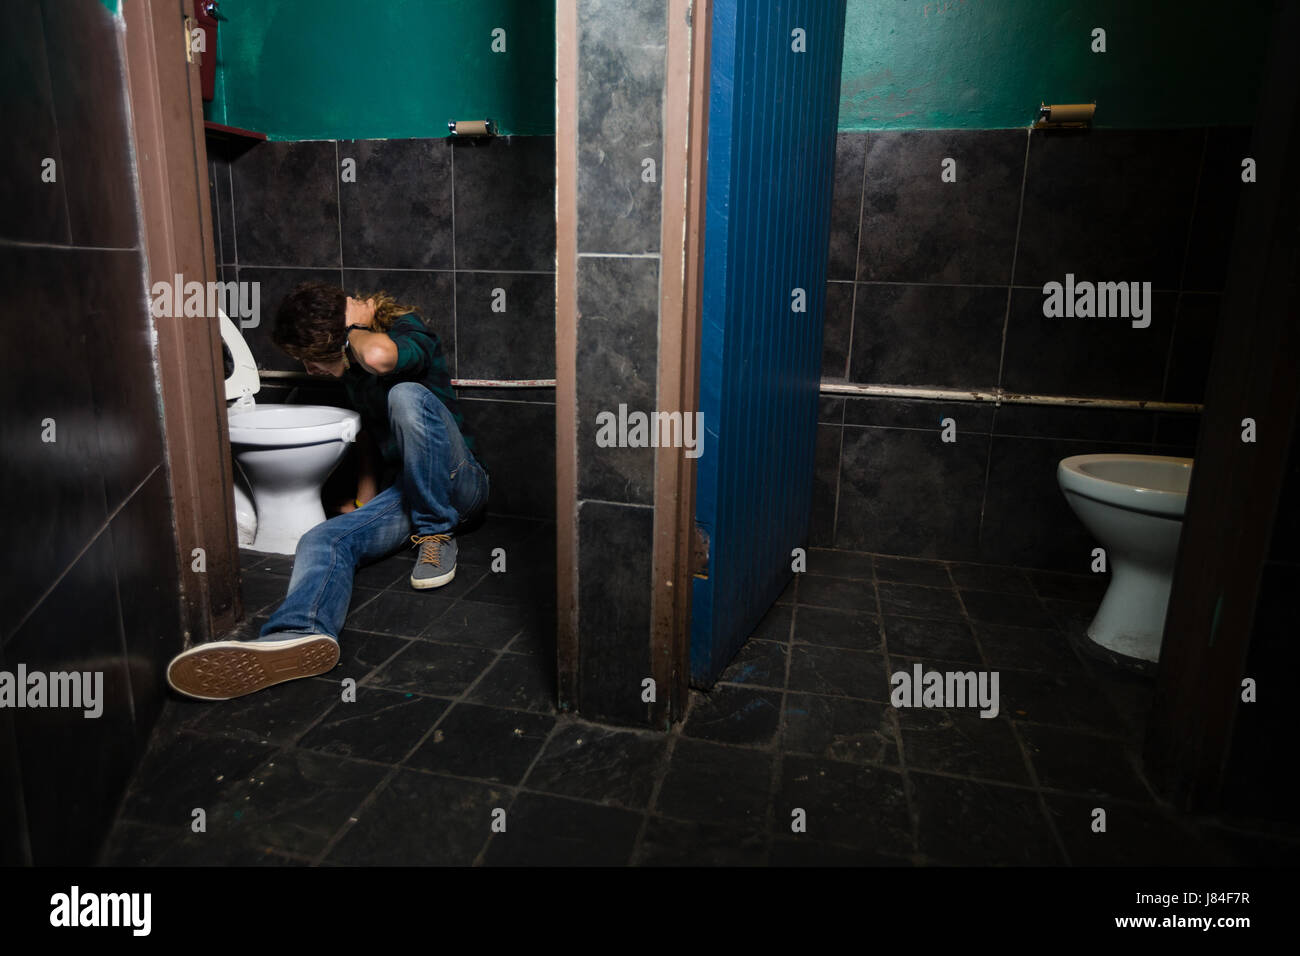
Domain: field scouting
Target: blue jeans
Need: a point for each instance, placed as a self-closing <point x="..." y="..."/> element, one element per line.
<point x="441" y="485"/>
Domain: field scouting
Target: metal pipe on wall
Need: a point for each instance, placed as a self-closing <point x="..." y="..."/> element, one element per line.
<point x="999" y="396"/>
<point x="302" y="378"/>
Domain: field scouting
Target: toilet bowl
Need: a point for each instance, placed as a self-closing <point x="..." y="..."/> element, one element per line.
<point x="1133" y="505"/>
<point x="283" y="452"/>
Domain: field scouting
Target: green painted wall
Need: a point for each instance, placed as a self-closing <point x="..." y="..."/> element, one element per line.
<point x="986" y="64"/>
<point x="343" y="69"/>
<point x="383" y="69"/>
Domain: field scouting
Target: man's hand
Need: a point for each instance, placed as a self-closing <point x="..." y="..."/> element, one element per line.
<point x="368" y="462"/>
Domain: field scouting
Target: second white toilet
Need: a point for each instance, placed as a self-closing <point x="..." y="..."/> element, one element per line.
<point x="1133" y="505"/>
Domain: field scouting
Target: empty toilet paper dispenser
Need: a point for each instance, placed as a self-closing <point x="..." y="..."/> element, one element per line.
<point x="1065" y="115"/>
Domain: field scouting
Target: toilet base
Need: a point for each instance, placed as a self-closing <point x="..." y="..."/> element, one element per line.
<point x="283" y="518"/>
<point x="245" y="513"/>
<point x="1131" y="619"/>
<point x="1093" y="651"/>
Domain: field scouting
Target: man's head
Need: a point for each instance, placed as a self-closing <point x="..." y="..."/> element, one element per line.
<point x="312" y="323"/>
<point x="311" y="327"/>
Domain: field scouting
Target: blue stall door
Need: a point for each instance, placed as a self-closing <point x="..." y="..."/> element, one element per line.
<point x="773" y="110"/>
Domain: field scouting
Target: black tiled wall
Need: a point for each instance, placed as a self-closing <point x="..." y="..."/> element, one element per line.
<point x="939" y="284"/>
<point x="621" y="52"/>
<point x="91" y="575"/>
<point x="440" y="224"/>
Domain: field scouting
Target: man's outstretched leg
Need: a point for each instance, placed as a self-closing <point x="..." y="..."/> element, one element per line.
<point x="442" y="483"/>
<point x="301" y="638"/>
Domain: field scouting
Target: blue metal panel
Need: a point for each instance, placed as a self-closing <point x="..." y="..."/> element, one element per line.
<point x="771" y="161"/>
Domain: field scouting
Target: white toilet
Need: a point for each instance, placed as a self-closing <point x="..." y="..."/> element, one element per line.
<point x="1133" y="505"/>
<point x="284" y="452"/>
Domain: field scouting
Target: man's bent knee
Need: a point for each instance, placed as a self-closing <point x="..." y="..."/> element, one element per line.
<point x="407" y="398"/>
<point x="320" y="537"/>
<point x="410" y="403"/>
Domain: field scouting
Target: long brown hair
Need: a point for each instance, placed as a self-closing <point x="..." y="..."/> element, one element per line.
<point x="309" y="323"/>
<point x="387" y="309"/>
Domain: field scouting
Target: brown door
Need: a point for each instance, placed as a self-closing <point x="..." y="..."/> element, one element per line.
<point x="167" y="120"/>
<point x="1236" y="482"/>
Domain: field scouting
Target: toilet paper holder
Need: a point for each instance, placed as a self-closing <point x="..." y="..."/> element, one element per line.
<point x="1065" y="115"/>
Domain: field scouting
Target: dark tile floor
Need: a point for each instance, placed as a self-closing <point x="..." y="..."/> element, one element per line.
<point x="454" y="723"/>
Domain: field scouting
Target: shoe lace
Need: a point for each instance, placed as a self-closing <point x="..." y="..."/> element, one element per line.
<point x="431" y="547"/>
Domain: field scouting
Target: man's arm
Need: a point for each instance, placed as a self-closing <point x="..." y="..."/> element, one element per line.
<point x="375" y="352"/>
<point x="367" y="472"/>
<point x="367" y="468"/>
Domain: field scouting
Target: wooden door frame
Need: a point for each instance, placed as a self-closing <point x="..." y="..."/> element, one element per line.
<point x="176" y="226"/>
<point x="685" y="145"/>
<point x="566" y="353"/>
<point x="681" y="289"/>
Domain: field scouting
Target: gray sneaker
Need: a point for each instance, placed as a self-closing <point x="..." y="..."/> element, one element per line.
<point x="436" y="563"/>
<point x="220" y="670"/>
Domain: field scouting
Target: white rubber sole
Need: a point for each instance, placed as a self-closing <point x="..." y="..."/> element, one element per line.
<point x="426" y="583"/>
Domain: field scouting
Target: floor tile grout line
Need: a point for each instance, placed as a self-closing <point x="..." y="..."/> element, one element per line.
<point x="1042" y="798"/>
<point x="778" y="763"/>
<point x="773" y="689"/>
<point x="456" y="600"/>
<point x="651" y="807"/>
<point x="1193" y="827"/>
<point x="1024" y="745"/>
<point x="660" y="778"/>
<point x="464" y="699"/>
<point x="1118" y="799"/>
<point x="481" y="856"/>
<point x="1083" y="730"/>
<point x="910" y="774"/>
<point x="402" y="764"/>
<point x="355" y="816"/>
<point x="281" y="751"/>
<point x="1019" y="739"/>
<point x="913" y="813"/>
<point x="937" y="773"/>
